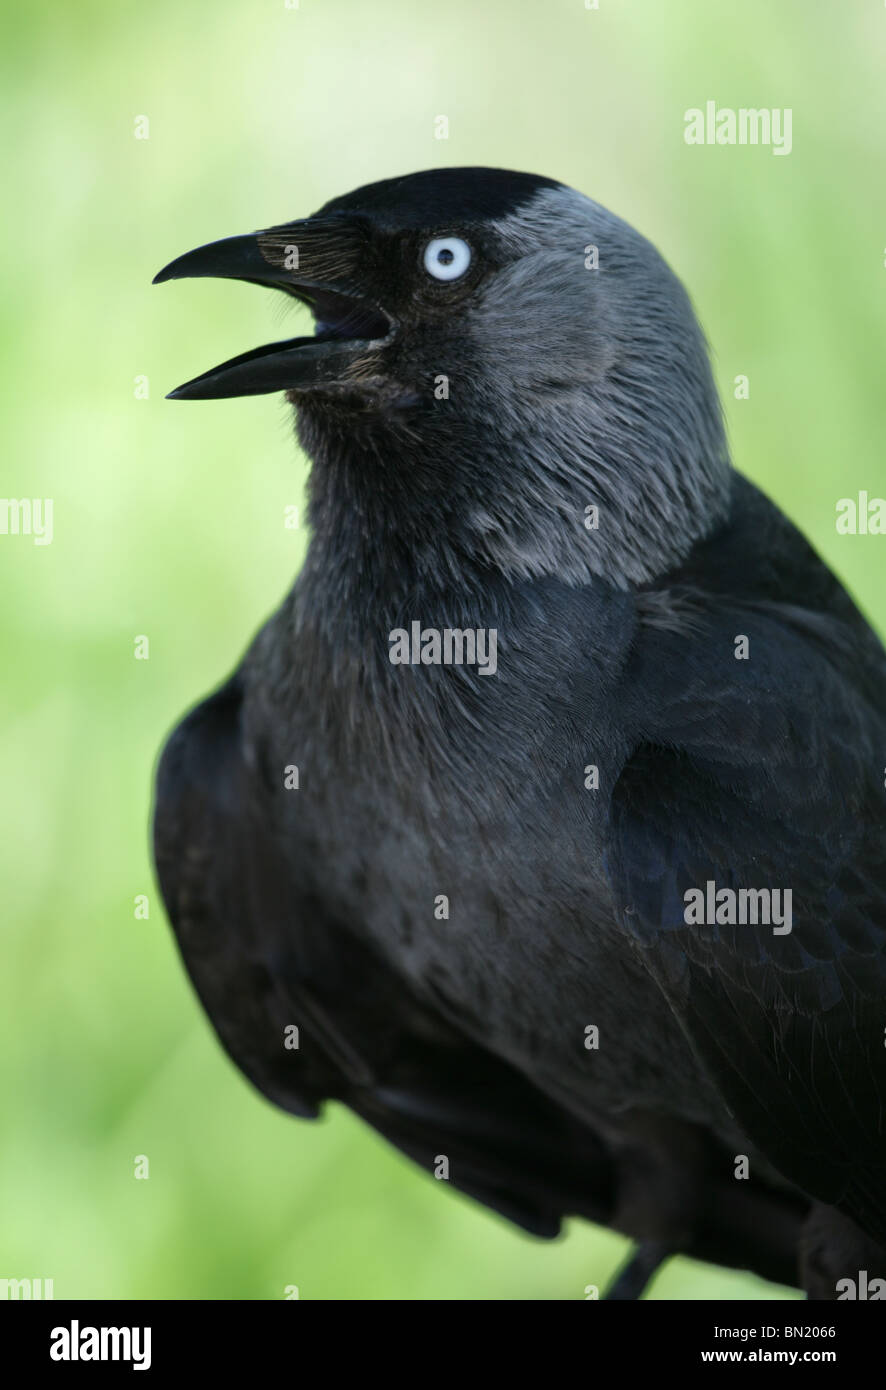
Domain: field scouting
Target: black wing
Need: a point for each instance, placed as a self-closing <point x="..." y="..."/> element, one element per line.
<point x="263" y="957"/>
<point x="768" y="773"/>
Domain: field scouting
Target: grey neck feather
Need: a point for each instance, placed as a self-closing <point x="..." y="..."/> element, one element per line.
<point x="582" y="388"/>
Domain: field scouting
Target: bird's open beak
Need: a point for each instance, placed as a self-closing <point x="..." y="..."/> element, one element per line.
<point x="324" y="263"/>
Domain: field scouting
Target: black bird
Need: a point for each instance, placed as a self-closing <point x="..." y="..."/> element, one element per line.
<point x="551" y="674"/>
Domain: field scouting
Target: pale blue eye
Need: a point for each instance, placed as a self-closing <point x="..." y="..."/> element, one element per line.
<point x="447" y="257"/>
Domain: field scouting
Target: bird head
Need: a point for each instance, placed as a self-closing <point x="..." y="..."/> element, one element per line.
<point x="497" y="357"/>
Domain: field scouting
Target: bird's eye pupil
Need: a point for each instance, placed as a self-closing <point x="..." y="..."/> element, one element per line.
<point x="446" y="258"/>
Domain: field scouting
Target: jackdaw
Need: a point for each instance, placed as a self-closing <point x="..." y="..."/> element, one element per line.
<point x="544" y="824"/>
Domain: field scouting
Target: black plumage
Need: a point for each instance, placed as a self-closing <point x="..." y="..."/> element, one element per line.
<point x="569" y="386"/>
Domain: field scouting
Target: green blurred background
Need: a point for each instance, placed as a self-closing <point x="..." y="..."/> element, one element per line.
<point x="168" y="522"/>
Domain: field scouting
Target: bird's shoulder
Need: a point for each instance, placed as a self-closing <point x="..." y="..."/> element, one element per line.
<point x="757" y="593"/>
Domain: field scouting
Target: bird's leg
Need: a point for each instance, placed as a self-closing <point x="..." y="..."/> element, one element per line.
<point x="662" y="1170"/>
<point x="660" y="1164"/>
<point x="635" y="1273"/>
